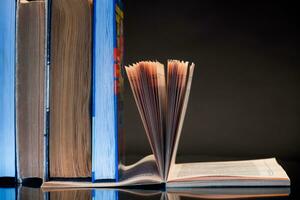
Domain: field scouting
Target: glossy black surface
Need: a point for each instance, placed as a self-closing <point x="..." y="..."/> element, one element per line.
<point x="120" y="194"/>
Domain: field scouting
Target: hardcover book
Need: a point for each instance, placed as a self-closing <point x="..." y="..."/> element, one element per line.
<point x="69" y="119"/>
<point x="107" y="127"/>
<point x="30" y="90"/>
<point x="22" y="66"/>
<point x="85" y="89"/>
<point x="7" y="88"/>
<point x="162" y="102"/>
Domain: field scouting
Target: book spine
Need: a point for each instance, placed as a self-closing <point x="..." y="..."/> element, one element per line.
<point x="107" y="84"/>
<point x="119" y="84"/>
<point x="7" y="88"/>
<point x="47" y="86"/>
<point x="18" y="176"/>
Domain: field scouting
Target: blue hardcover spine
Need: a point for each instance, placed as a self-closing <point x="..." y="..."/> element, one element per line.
<point x="7" y="88"/>
<point x="107" y="83"/>
<point x="119" y="84"/>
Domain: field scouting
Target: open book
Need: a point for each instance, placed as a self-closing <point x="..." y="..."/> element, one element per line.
<point x="162" y="102"/>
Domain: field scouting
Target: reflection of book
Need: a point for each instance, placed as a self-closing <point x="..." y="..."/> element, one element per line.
<point x="227" y="193"/>
<point x="8" y="193"/>
<point x="105" y="194"/>
<point x="30" y="193"/>
<point x="169" y="194"/>
<point x="162" y="102"/>
<point x="122" y="194"/>
<point x="70" y="194"/>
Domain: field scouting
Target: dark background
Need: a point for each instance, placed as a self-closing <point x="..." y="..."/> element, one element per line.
<point x="245" y="99"/>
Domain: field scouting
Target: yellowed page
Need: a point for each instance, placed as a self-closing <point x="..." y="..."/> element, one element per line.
<point x="182" y="115"/>
<point x="262" y="168"/>
<point x="141" y="173"/>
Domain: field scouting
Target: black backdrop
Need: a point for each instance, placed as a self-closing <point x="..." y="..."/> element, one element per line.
<point x="245" y="98"/>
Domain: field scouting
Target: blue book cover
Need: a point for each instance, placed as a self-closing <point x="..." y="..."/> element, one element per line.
<point x="7" y="88"/>
<point x="107" y="89"/>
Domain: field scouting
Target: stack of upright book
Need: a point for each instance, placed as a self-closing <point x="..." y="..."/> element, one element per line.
<point x="61" y="80"/>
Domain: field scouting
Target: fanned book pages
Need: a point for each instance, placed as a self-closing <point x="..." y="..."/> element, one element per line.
<point x="162" y="102"/>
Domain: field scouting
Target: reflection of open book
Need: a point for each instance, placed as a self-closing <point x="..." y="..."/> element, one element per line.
<point x="122" y="194"/>
<point x="162" y="104"/>
<point x="169" y="194"/>
<point x="227" y="193"/>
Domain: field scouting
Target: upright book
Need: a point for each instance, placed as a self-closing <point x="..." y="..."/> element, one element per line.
<point x="30" y="90"/>
<point x="162" y="102"/>
<point x="7" y="88"/>
<point x="22" y="62"/>
<point x="107" y="89"/>
<point x="70" y="89"/>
